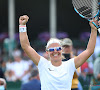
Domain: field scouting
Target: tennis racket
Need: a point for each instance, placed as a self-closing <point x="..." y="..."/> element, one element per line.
<point x="87" y="9"/>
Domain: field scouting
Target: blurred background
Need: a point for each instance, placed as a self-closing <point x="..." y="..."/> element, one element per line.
<point x="47" y="18"/>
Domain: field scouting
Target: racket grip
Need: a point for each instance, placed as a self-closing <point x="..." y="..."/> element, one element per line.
<point x="95" y="25"/>
<point x="98" y="27"/>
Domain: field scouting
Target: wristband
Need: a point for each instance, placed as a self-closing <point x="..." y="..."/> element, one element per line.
<point x="22" y="28"/>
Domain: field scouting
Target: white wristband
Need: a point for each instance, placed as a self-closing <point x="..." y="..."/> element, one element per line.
<point x="22" y="28"/>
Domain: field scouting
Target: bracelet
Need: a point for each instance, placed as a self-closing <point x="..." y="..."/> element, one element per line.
<point x="22" y="28"/>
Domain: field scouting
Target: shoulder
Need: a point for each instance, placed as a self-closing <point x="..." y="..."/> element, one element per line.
<point x="70" y="61"/>
<point x="34" y="83"/>
<point x="70" y="64"/>
<point x="24" y="86"/>
<point x="43" y="61"/>
<point x="31" y="83"/>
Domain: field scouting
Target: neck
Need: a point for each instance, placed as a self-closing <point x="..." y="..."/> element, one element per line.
<point x="56" y="63"/>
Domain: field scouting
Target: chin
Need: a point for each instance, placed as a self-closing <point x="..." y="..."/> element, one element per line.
<point x="57" y="59"/>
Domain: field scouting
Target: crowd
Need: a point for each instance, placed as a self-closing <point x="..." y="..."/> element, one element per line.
<point x="20" y="67"/>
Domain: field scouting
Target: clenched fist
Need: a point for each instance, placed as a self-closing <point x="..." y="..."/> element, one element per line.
<point x="23" y="20"/>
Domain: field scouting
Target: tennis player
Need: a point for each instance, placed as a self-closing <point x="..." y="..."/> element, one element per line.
<point x="55" y="74"/>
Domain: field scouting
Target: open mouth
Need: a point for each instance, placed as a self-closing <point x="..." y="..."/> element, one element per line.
<point x="55" y="54"/>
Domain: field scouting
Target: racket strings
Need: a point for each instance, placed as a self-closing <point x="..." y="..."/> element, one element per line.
<point x="85" y="11"/>
<point x="87" y="8"/>
<point x="81" y="3"/>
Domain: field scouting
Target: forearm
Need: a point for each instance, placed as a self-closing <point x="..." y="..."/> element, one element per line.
<point x="23" y="31"/>
<point x="92" y="41"/>
<point x="24" y="40"/>
<point x="81" y="58"/>
<point x="32" y="54"/>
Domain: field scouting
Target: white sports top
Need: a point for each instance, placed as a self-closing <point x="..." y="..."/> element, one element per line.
<point x="56" y="78"/>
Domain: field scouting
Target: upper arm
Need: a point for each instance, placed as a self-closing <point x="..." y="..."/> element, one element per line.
<point x="81" y="58"/>
<point x="32" y="54"/>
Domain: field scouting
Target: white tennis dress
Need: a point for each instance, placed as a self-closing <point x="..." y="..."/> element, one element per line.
<point x="56" y="78"/>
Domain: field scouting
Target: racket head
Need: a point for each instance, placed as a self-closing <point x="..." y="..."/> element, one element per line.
<point x="87" y="9"/>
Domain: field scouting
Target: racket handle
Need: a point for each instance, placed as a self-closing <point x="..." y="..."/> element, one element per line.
<point x="98" y="27"/>
<point x="95" y="25"/>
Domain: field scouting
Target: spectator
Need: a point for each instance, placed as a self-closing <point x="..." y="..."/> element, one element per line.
<point x="20" y="68"/>
<point x="2" y="84"/>
<point x="68" y="54"/>
<point x="1" y="73"/>
<point x="34" y="83"/>
<point x="96" y="71"/>
<point x="97" y="47"/>
<point x="16" y="52"/>
<point x="85" y="67"/>
<point x="9" y="74"/>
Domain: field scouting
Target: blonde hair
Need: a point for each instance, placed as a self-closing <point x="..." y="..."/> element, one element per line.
<point x="53" y="40"/>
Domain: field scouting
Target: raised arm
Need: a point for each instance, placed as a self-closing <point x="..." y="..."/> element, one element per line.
<point x="33" y="55"/>
<point x="81" y="58"/>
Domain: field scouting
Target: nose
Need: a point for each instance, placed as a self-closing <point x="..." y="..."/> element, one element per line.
<point x="55" y="50"/>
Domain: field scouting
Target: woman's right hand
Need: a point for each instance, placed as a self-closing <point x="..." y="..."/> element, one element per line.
<point x="23" y="20"/>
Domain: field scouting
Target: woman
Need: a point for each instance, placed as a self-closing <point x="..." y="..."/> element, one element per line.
<point x="55" y="74"/>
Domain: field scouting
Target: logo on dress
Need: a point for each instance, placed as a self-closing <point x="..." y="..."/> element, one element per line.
<point x="50" y="69"/>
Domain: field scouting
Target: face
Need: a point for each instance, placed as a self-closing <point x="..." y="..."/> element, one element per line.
<point x="67" y="49"/>
<point x="55" y="55"/>
<point x="16" y="58"/>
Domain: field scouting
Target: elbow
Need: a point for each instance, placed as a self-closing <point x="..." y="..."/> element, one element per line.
<point x="24" y="46"/>
<point x="91" y="52"/>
